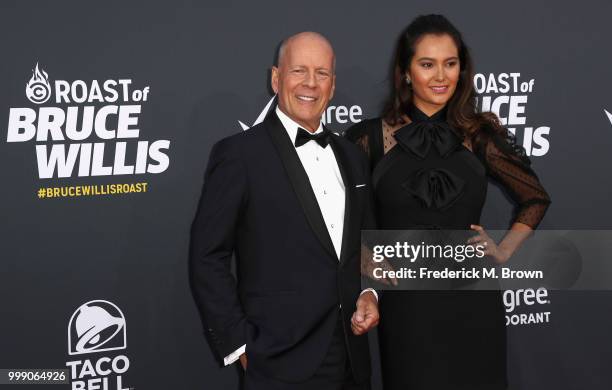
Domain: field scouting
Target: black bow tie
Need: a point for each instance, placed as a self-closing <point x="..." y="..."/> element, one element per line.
<point x="304" y="136"/>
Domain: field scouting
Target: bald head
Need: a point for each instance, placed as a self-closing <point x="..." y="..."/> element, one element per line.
<point x="304" y="79"/>
<point x="305" y="39"/>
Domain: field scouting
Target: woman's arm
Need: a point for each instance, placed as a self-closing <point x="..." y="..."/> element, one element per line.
<point x="508" y="165"/>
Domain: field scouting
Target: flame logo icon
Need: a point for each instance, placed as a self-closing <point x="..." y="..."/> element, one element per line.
<point x="38" y="89"/>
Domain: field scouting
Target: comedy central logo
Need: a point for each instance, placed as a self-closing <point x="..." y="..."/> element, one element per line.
<point x="38" y="89"/>
<point x="94" y="327"/>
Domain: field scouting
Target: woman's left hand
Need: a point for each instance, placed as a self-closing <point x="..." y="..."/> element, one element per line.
<point x="490" y="246"/>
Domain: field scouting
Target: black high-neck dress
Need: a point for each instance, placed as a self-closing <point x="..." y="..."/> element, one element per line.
<point x="430" y="180"/>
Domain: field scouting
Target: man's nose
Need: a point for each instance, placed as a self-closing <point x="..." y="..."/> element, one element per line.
<point x="310" y="80"/>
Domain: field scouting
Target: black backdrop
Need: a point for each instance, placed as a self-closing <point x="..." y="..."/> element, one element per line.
<point x="206" y="65"/>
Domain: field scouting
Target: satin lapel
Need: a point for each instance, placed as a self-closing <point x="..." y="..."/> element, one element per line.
<point x="299" y="181"/>
<point x="349" y="207"/>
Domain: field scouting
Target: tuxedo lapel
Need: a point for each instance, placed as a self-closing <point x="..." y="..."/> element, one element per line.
<point x="349" y="207"/>
<point x="299" y="181"/>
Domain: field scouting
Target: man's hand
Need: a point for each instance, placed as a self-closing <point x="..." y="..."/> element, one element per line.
<point x="243" y="361"/>
<point x="366" y="316"/>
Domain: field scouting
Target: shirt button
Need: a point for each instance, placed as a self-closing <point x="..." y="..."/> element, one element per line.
<point x="324" y="192"/>
<point x="317" y="158"/>
<point x="332" y="225"/>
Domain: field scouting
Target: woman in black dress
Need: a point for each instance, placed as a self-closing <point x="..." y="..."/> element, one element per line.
<point x="431" y="154"/>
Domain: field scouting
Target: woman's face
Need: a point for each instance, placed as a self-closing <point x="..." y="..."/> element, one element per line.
<point x="434" y="72"/>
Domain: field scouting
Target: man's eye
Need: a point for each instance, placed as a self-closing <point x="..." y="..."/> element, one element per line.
<point x="298" y="71"/>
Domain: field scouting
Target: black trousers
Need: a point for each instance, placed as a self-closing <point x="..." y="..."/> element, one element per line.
<point x="334" y="373"/>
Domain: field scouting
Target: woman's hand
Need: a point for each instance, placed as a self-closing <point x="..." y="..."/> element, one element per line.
<point x="499" y="255"/>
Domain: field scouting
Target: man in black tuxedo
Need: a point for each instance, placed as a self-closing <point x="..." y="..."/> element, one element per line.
<point x="288" y="198"/>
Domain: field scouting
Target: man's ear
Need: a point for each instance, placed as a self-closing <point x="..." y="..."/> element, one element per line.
<point x="333" y="89"/>
<point x="274" y="79"/>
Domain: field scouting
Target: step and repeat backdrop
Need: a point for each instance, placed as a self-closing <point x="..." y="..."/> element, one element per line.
<point x="108" y="111"/>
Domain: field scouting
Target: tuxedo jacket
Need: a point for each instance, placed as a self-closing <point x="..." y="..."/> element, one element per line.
<point x="290" y="287"/>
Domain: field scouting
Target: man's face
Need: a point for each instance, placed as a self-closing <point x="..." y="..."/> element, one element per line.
<point x="304" y="80"/>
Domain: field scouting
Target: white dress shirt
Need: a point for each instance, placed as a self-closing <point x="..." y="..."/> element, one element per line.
<point x="326" y="181"/>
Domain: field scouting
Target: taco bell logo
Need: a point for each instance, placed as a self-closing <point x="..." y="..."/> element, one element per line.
<point x="38" y="89"/>
<point x="97" y="326"/>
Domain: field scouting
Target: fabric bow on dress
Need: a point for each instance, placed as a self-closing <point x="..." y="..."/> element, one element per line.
<point x="436" y="188"/>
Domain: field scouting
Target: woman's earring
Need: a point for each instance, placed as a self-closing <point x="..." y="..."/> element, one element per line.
<point x="408" y="81"/>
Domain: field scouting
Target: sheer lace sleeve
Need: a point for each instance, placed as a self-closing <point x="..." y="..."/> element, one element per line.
<point x="507" y="163"/>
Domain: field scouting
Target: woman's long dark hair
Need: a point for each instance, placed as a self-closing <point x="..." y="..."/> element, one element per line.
<point x="461" y="113"/>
